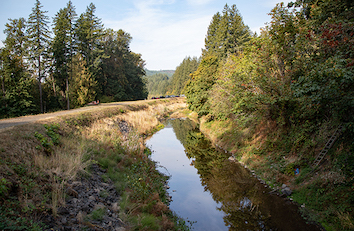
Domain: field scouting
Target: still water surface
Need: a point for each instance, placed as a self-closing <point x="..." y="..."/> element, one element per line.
<point x="212" y="192"/>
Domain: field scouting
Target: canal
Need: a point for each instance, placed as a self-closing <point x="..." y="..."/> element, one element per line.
<point x="213" y="193"/>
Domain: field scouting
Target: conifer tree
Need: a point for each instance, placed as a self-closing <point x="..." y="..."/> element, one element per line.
<point x="89" y="32"/>
<point x="82" y="90"/>
<point x="63" y="47"/>
<point x="38" y="38"/>
<point x="226" y="34"/>
<point x="16" y="84"/>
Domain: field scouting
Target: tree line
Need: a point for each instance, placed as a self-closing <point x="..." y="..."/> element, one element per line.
<point x="161" y="84"/>
<point x="300" y="67"/>
<point x="75" y="62"/>
<point x="291" y="86"/>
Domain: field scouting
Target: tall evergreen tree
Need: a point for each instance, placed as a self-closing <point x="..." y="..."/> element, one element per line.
<point x="114" y="81"/>
<point x="82" y="90"/>
<point x="16" y="84"/>
<point x="63" y="47"/>
<point x="226" y="34"/>
<point x="89" y="32"/>
<point x="38" y="38"/>
<point x="183" y="74"/>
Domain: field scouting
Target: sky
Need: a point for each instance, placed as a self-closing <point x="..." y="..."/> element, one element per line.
<point x="164" y="32"/>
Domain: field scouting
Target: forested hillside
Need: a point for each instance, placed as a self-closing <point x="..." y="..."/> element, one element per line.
<point x="76" y="62"/>
<point x="162" y="83"/>
<point x="274" y="100"/>
<point x="169" y="73"/>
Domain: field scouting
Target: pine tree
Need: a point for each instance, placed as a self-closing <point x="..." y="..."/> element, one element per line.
<point x="226" y="34"/>
<point x="38" y="38"/>
<point x="63" y="47"/>
<point x="89" y="32"/>
<point x="183" y="74"/>
<point x="16" y="84"/>
<point x="83" y="86"/>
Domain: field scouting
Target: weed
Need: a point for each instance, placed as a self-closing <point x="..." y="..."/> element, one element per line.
<point x="104" y="194"/>
<point x="97" y="214"/>
<point x="149" y="221"/>
<point x="4" y="186"/>
<point x="53" y="137"/>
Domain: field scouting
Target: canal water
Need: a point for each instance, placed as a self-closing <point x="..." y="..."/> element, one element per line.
<point x="213" y="193"/>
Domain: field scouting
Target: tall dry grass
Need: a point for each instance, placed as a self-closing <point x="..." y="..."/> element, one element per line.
<point x="145" y="121"/>
<point x="81" y="135"/>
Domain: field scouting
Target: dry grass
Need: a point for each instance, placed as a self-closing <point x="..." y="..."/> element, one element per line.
<point x="145" y="121"/>
<point x="38" y="178"/>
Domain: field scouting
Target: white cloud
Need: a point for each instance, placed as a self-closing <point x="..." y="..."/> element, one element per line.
<point x="163" y="38"/>
<point x="199" y="2"/>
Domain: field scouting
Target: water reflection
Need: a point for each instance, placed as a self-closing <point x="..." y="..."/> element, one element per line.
<point x="240" y="202"/>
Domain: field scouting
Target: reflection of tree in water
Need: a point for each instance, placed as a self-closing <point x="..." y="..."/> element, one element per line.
<point x="242" y="200"/>
<point x="182" y="127"/>
<point x="238" y="194"/>
<point x="228" y="183"/>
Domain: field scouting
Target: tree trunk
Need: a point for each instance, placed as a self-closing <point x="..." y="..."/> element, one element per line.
<point x="40" y="84"/>
<point x="67" y="93"/>
<point x="3" y="85"/>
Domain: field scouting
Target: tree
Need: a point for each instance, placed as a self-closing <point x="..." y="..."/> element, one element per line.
<point x="16" y="83"/>
<point x="113" y="80"/>
<point x="226" y="34"/>
<point x="183" y="74"/>
<point x="38" y="39"/>
<point x="63" y="47"/>
<point x="89" y="33"/>
<point x="83" y="86"/>
<point x="197" y="89"/>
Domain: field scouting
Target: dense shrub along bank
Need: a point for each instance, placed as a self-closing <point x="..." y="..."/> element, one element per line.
<point x="40" y="161"/>
<point x="274" y="100"/>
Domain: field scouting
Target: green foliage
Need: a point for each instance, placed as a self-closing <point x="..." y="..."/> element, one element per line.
<point x="143" y="179"/>
<point x="97" y="214"/>
<point x="150" y="222"/>
<point x="169" y="73"/>
<point x="183" y="74"/>
<point x="226" y="34"/>
<point x="38" y="43"/>
<point x="157" y="84"/>
<point x="10" y="219"/>
<point x="88" y="62"/>
<point x="52" y="138"/>
<point x="63" y="48"/>
<point x="4" y="186"/>
<point x="197" y="89"/>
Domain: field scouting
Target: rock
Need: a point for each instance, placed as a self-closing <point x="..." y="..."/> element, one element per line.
<point x="63" y="220"/>
<point x="283" y="186"/>
<point x="72" y="192"/>
<point x="76" y="184"/>
<point x="86" y="196"/>
<point x="63" y="211"/>
<point x="115" y="207"/>
<point x="80" y="217"/>
<point x="286" y="191"/>
<point x="99" y="206"/>
<point x="119" y="229"/>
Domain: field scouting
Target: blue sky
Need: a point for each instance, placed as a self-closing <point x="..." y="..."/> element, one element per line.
<point x="163" y="31"/>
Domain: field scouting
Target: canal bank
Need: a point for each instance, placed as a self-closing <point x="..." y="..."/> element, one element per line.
<point x="282" y="158"/>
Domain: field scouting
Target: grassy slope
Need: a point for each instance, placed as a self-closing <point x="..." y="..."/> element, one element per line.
<point x="37" y="159"/>
<point x="325" y="193"/>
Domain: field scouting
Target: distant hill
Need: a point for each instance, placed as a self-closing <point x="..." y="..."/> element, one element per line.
<point x="169" y="73"/>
